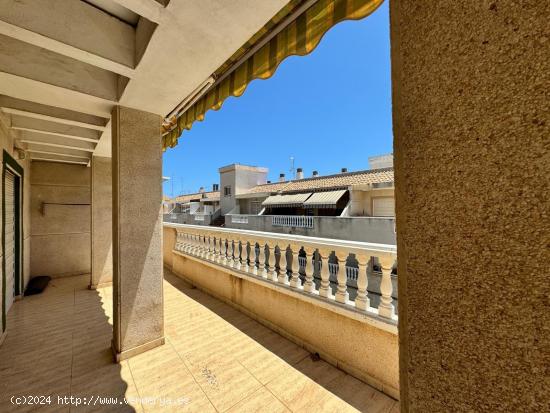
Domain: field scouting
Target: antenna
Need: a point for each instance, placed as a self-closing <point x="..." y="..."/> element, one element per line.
<point x="292" y="169"/>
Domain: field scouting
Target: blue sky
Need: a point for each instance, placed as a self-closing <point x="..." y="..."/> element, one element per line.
<point x="330" y="109"/>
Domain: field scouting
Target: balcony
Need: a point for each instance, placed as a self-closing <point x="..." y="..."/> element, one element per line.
<point x="215" y="358"/>
<point x="366" y="229"/>
<point x="316" y="292"/>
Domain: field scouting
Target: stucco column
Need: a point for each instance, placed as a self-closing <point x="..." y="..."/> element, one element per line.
<point x="471" y="126"/>
<point x="102" y="222"/>
<point x="137" y="232"/>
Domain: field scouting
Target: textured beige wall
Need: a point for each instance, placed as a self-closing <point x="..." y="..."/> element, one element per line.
<point x="471" y="124"/>
<point x="137" y="231"/>
<point x="60" y="234"/>
<point x="102" y="222"/>
<point x="361" y="349"/>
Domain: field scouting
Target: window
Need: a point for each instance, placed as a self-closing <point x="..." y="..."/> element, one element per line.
<point x="226" y="191"/>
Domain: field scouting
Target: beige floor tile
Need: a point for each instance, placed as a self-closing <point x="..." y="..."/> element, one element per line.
<point x="362" y="396"/>
<point x="222" y="378"/>
<point x="261" y="401"/>
<point x="300" y="393"/>
<point x="215" y="359"/>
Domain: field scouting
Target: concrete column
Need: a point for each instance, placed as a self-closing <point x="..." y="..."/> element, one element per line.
<point x="102" y="222"/>
<point x="471" y="126"/>
<point x="137" y="232"/>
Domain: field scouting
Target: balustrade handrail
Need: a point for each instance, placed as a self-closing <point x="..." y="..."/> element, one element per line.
<point x="255" y="252"/>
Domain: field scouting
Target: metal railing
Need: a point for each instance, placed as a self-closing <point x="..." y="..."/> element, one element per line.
<point x="300" y="221"/>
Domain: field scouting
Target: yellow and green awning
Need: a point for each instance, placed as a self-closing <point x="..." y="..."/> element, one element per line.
<point x="299" y="37"/>
<point x="288" y="200"/>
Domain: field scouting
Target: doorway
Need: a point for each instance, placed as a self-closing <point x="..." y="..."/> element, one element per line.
<point x="12" y="184"/>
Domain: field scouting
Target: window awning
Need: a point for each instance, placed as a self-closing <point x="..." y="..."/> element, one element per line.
<point x="299" y="37"/>
<point x="279" y="201"/>
<point x="327" y="199"/>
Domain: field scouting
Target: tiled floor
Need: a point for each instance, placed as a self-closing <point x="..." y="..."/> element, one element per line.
<point x="215" y="360"/>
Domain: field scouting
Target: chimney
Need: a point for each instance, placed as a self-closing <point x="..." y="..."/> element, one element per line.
<point x="344" y="170"/>
<point x="315" y="173"/>
<point x="215" y="187"/>
<point x="281" y="177"/>
<point x="201" y="190"/>
<point x="299" y="173"/>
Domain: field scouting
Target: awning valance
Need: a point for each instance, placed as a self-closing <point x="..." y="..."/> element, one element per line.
<point x="278" y="201"/>
<point x="327" y="199"/>
<point x="299" y="37"/>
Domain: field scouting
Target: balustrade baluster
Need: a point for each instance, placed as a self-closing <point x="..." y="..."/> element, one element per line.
<point x="214" y="255"/>
<point x="246" y="253"/>
<point x="185" y="247"/>
<point x="386" y="308"/>
<point x="254" y="253"/>
<point x="237" y="254"/>
<point x="362" y="301"/>
<point x="202" y="245"/>
<point x="295" y="277"/>
<point x="206" y="247"/>
<point x="178" y="241"/>
<point x="309" y="285"/>
<point x="342" y="295"/>
<point x="230" y="253"/>
<point x="225" y="250"/>
<point x="262" y="272"/>
<point x="271" y="262"/>
<point x="283" y="265"/>
<point x="220" y="250"/>
<point x="193" y="244"/>
<point x="324" y="290"/>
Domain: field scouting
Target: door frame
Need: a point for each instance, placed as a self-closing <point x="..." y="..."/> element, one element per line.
<point x="10" y="164"/>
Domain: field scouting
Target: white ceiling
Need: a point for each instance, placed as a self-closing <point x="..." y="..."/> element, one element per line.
<point x="64" y="64"/>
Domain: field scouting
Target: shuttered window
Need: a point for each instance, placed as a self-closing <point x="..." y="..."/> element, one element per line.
<point x="10" y="238"/>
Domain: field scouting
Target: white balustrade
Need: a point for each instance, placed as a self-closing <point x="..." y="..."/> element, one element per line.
<point x="298" y="221"/>
<point x="237" y="250"/>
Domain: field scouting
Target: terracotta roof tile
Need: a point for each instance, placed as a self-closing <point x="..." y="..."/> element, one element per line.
<point x="341" y="180"/>
<point x="188" y="197"/>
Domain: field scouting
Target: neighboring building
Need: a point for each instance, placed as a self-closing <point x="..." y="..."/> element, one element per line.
<point x="355" y="205"/>
<point x="199" y="208"/>
<point x="236" y="179"/>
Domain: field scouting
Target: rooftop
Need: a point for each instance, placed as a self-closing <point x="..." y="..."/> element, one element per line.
<point x="215" y="358"/>
<point x="212" y="195"/>
<point x="340" y="180"/>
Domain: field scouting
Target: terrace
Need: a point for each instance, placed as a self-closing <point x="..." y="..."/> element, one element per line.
<point x="91" y="92"/>
<point x="215" y="358"/>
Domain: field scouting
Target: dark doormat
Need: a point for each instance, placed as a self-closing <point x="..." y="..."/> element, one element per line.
<point x="37" y="285"/>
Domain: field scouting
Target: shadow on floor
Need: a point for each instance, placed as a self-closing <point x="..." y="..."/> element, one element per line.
<point x="354" y="392"/>
<point x="59" y="344"/>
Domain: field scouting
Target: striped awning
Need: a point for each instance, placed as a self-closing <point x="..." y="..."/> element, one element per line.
<point x="299" y="37"/>
<point x="327" y="199"/>
<point x="278" y="201"/>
